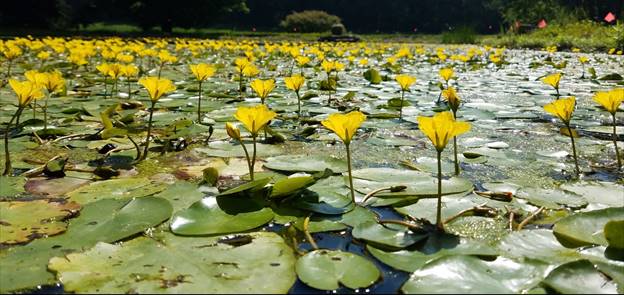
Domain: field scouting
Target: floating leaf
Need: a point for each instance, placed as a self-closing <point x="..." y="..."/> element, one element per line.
<point x="306" y="163"/>
<point x="175" y="264"/>
<point x="23" y="221"/>
<point x="326" y="270"/>
<point x="579" y="277"/>
<point x="290" y="185"/>
<point x="115" y="188"/>
<point x="586" y="228"/>
<point x="388" y="236"/>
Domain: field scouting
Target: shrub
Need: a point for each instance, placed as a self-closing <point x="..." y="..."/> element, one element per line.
<point x="338" y="29"/>
<point x="461" y="35"/>
<point x="309" y="21"/>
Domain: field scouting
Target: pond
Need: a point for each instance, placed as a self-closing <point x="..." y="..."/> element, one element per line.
<point x="81" y="212"/>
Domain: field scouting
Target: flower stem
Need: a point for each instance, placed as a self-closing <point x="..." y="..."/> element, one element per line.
<point x="129" y="89"/>
<point x="617" y="153"/>
<point x="439" y="210"/>
<point x="350" y="176"/>
<point x="240" y="85"/>
<point x="298" y="105"/>
<point x="149" y="131"/>
<point x="253" y="158"/>
<point x="199" y="103"/>
<point x="578" y="171"/>
<point x="455" y="147"/>
<point x="45" y="112"/>
<point x="248" y="159"/>
<point x="7" y="157"/>
<point x="401" y="106"/>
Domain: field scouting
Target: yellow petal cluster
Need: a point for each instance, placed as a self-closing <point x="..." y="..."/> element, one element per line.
<point x="263" y="87"/>
<point x="450" y="95"/>
<point x="441" y="128"/>
<point x="202" y="71"/>
<point x="157" y="87"/>
<point x="552" y="80"/>
<point x="447" y="74"/>
<point x="562" y="108"/>
<point x="344" y="125"/>
<point x="26" y="91"/>
<point x="405" y="81"/>
<point x="294" y="82"/>
<point x="254" y="118"/>
<point x="610" y="100"/>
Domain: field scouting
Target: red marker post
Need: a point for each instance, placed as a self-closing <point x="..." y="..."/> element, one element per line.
<point x="610" y="17"/>
<point x="542" y="24"/>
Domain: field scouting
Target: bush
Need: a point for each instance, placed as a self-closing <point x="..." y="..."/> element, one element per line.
<point x="338" y="29"/>
<point x="309" y="21"/>
<point x="461" y="35"/>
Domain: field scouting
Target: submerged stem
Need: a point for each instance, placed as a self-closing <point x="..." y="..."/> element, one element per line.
<point x="578" y="171"/>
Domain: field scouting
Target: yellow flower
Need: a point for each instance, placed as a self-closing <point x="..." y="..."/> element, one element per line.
<point x="441" y="128"/>
<point x="43" y="55"/>
<point x="583" y="59"/>
<point x="562" y="108"/>
<point x="327" y="66"/>
<point x="54" y="82"/>
<point x="202" y="71"/>
<point x="114" y="70"/>
<point x="25" y="91"/>
<point x="302" y="60"/>
<point x="240" y="64"/>
<point x="294" y="82"/>
<point x="232" y="131"/>
<point x="250" y="70"/>
<point x="254" y="118"/>
<point x="451" y="96"/>
<point x="36" y="77"/>
<point x="263" y="87"/>
<point x="552" y="80"/>
<point x="103" y="68"/>
<point x="447" y="74"/>
<point x="129" y="71"/>
<point x="405" y="81"/>
<point x="157" y="87"/>
<point x="344" y="125"/>
<point x="610" y="100"/>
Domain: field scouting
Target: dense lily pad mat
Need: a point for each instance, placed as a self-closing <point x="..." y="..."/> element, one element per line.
<point x="173" y="264"/>
<point x="24" y="221"/>
<point x="106" y="220"/>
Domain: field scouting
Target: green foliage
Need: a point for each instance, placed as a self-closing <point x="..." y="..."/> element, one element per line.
<point x="586" y="35"/>
<point x="309" y="21"/>
<point x="461" y="35"/>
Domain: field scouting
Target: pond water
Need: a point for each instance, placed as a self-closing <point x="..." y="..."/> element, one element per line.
<point x="159" y="225"/>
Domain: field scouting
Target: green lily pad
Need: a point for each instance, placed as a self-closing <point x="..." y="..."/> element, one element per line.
<point x="248" y="186"/>
<point x="11" y="186"/>
<point x="228" y="150"/>
<point x="579" y="277"/>
<point x="106" y="220"/>
<point x="181" y="195"/>
<point x="291" y="185"/>
<point x="489" y="230"/>
<point x="326" y="270"/>
<point x="410" y="261"/>
<point x="326" y="196"/>
<point x="115" y="188"/>
<point x="607" y="193"/>
<point x="306" y="163"/>
<point x="205" y="217"/>
<point x="586" y="228"/>
<point x="388" y="236"/>
<point x="21" y="222"/>
<point x="551" y="198"/>
<point x="468" y="274"/>
<point x="614" y="233"/>
<point x="180" y="265"/>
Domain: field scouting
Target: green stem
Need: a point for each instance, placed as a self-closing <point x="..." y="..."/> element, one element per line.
<point x="105" y="86"/>
<point x="114" y="88"/>
<point x="160" y="69"/>
<point x="617" y="153"/>
<point x="7" y="158"/>
<point x="350" y="177"/>
<point x="240" y="85"/>
<point x="34" y="108"/>
<point x="401" y="106"/>
<point x="455" y="147"/>
<point x="129" y="89"/>
<point x="298" y="105"/>
<point x="578" y="171"/>
<point x="199" y="103"/>
<point x="45" y="112"/>
<point x="248" y="159"/>
<point x="439" y="210"/>
<point x="136" y="146"/>
<point x="253" y="159"/>
<point x="149" y="131"/>
<point x="8" y="74"/>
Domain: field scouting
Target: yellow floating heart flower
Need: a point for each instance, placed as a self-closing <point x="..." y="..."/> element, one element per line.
<point x="232" y="131"/>
<point x="54" y="82"/>
<point x="302" y="60"/>
<point x="202" y="71"/>
<point x="129" y="70"/>
<point x="610" y="100"/>
<point x="327" y="66"/>
<point x="254" y="118"/>
<point x="344" y="125"/>
<point x="447" y="74"/>
<point x="36" y="77"/>
<point x="263" y="87"/>
<point x="251" y="70"/>
<point x="441" y="128"/>
<point x="157" y="87"/>
<point x="405" y="81"/>
<point x="26" y="91"/>
<point x="451" y="96"/>
<point x="553" y="80"/>
<point x="294" y="82"/>
<point x="583" y="59"/>
<point x="103" y="68"/>
<point x="562" y="108"/>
